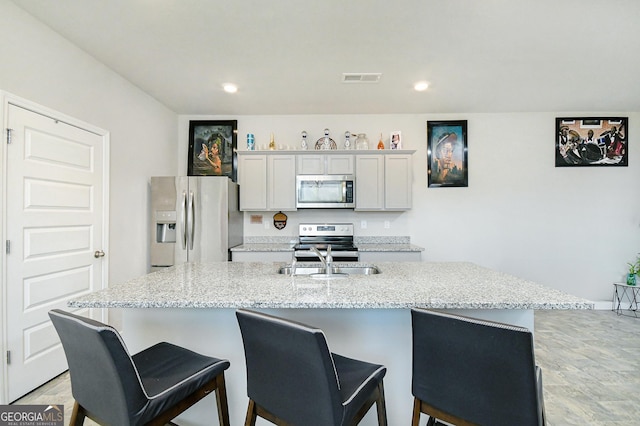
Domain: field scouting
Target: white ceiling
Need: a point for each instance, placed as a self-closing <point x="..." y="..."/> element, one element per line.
<point x="288" y="56"/>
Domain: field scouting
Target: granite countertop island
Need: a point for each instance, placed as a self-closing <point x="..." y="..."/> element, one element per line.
<point x="364" y="316"/>
<point x="447" y="285"/>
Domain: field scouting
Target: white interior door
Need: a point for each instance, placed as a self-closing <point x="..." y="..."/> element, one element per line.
<point x="54" y="229"/>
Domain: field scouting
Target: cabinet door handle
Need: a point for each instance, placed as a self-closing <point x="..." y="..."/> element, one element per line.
<point x="98" y="254"/>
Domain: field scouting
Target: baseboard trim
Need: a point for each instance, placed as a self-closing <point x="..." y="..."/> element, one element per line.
<point x="602" y="305"/>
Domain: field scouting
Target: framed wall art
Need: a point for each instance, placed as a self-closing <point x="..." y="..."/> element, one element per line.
<point x="592" y="141"/>
<point x="212" y="148"/>
<point x="447" y="153"/>
<point x="395" y="140"/>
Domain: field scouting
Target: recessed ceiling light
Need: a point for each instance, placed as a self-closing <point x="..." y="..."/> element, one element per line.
<point x="421" y="86"/>
<point x="230" y="88"/>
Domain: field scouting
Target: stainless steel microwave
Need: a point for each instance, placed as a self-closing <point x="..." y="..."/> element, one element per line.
<point x="325" y="191"/>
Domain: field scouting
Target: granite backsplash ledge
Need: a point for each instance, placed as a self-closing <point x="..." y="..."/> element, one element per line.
<point x="356" y="240"/>
<point x="381" y="240"/>
<point x="271" y="240"/>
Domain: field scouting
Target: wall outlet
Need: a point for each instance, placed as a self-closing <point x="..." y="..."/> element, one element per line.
<point x="363" y="224"/>
<point x="387" y="224"/>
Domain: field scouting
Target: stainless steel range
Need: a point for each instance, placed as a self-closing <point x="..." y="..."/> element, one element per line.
<point x="320" y="236"/>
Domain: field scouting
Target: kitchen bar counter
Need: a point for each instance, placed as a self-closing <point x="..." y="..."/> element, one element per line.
<point x="454" y="285"/>
<point x="364" y="316"/>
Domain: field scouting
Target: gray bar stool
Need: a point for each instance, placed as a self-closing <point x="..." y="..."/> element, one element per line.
<point x="468" y="371"/>
<point x="151" y="387"/>
<point x="293" y="379"/>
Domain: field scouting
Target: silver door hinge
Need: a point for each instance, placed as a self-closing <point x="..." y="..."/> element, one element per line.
<point x="9" y="135"/>
<point x="8" y="246"/>
<point x="8" y="357"/>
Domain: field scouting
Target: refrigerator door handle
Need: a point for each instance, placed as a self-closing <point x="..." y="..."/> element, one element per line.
<point x="183" y="220"/>
<point x="192" y="219"/>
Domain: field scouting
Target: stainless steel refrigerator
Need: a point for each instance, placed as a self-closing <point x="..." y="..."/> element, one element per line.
<point x="193" y="219"/>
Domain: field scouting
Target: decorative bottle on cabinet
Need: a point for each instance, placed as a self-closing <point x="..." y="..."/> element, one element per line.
<point x="272" y="143"/>
<point x="326" y="141"/>
<point x="347" y="140"/>
<point x="303" y="144"/>
<point x="380" y="143"/>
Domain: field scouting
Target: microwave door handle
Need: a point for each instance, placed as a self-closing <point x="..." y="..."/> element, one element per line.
<point x="344" y="191"/>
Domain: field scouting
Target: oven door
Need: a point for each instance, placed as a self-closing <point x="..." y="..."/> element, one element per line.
<point x="325" y="191"/>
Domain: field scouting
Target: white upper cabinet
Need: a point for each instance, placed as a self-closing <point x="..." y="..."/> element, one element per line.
<point x="281" y="182"/>
<point x="384" y="182"/>
<point x="398" y="181"/>
<point x="267" y="182"/>
<point x="325" y="164"/>
<point x="369" y="182"/>
<point x="252" y="178"/>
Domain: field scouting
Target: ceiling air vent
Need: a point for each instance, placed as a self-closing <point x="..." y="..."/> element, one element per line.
<point x="367" y="77"/>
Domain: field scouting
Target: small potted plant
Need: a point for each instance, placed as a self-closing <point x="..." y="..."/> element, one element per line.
<point x="634" y="269"/>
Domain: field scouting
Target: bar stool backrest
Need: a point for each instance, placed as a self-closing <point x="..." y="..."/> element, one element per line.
<point x="290" y="370"/>
<point x="104" y="379"/>
<point x="483" y="372"/>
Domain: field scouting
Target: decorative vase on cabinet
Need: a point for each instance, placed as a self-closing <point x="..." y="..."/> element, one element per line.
<point x="362" y="142"/>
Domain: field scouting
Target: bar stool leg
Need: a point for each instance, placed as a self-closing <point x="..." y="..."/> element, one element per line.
<point x="221" y="401"/>
<point x="252" y="414"/>
<point x="77" y="415"/>
<point x="381" y="407"/>
<point x="415" y="421"/>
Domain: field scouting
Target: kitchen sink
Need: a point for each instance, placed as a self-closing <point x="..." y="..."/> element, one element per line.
<point x="338" y="270"/>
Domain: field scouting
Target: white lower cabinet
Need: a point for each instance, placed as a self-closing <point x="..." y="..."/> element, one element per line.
<point x="267" y="182"/>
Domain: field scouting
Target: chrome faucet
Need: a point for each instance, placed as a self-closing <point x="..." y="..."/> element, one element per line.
<point x="327" y="261"/>
<point x="294" y="260"/>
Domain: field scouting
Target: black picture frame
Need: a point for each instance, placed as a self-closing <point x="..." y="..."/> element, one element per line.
<point x="592" y="142"/>
<point x="212" y="148"/>
<point x="447" y="154"/>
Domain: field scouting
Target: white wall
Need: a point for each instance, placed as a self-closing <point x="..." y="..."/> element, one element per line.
<point x="572" y="229"/>
<point x="39" y="65"/>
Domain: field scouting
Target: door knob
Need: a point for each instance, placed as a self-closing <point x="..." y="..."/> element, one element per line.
<point x="98" y="254"/>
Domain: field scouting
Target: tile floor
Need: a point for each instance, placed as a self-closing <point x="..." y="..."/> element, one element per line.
<point x="591" y="367"/>
<point x="590" y="362"/>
